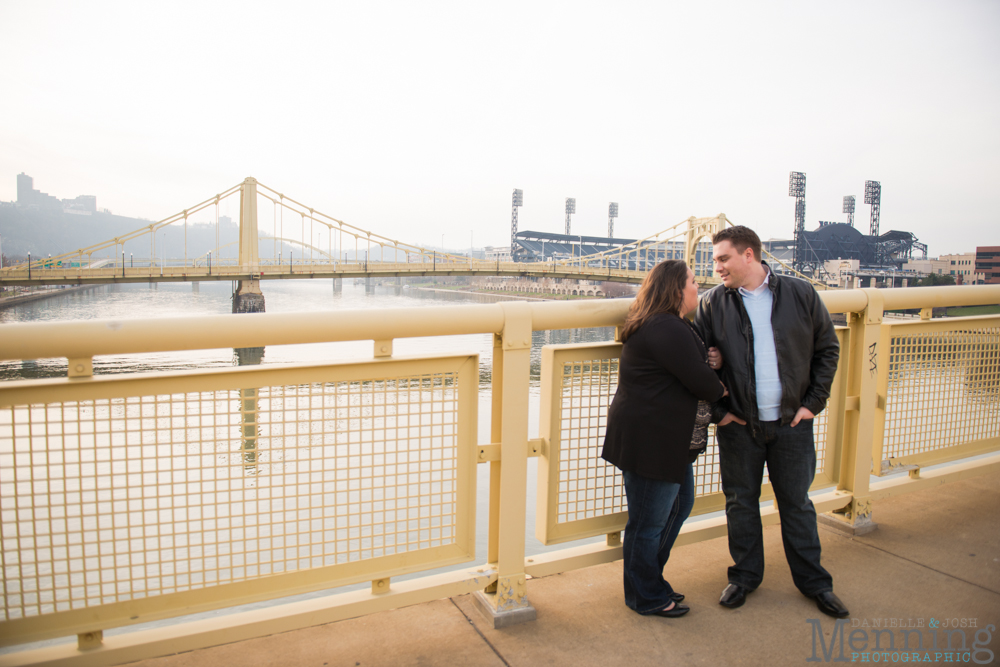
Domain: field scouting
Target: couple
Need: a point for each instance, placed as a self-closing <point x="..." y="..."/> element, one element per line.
<point x="771" y="341"/>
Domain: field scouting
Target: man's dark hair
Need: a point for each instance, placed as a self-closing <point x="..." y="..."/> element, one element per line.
<point x="742" y="238"/>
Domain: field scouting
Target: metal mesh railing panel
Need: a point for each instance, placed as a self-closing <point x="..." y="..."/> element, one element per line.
<point x="943" y="390"/>
<point x="591" y="487"/>
<point x="111" y="500"/>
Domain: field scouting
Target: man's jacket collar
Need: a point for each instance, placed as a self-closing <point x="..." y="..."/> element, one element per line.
<point x="772" y="282"/>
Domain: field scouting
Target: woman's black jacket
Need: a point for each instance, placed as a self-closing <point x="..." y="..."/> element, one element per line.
<point x="661" y="376"/>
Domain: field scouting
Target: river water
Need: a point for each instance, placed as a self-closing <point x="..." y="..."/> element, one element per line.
<point x="166" y="300"/>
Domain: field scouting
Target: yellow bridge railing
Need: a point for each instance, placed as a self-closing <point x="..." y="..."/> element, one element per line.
<point x="130" y="498"/>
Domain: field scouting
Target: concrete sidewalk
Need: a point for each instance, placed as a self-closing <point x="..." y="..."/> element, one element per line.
<point x="934" y="561"/>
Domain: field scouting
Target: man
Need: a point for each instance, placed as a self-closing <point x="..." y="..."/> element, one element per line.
<point x="779" y="354"/>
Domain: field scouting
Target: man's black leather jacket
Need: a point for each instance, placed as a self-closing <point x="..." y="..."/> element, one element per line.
<point x="804" y="338"/>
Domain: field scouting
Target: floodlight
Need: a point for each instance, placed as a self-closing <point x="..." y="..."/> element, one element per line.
<point x="873" y="196"/>
<point x="570" y="205"/>
<point x="873" y="192"/>
<point x="849" y="209"/>
<point x="517" y="200"/>
<point x="797" y="189"/>
<point x="796" y="184"/>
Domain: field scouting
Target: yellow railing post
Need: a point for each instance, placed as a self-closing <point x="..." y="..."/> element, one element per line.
<point x="864" y="421"/>
<point x="508" y="604"/>
<point x="496" y="423"/>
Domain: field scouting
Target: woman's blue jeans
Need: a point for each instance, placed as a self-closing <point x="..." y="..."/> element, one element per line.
<point x="678" y="515"/>
<point x="647" y="541"/>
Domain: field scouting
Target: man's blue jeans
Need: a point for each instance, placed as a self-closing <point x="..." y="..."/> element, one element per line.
<point x="791" y="464"/>
<point x="650" y="502"/>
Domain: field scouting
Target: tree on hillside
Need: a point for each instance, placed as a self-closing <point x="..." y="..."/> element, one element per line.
<point x="936" y="279"/>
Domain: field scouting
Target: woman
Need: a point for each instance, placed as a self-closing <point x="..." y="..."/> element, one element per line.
<point x="656" y="428"/>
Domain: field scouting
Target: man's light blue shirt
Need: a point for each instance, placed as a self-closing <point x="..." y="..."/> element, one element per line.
<point x="758" y="305"/>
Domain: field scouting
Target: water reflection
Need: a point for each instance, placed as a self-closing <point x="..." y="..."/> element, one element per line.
<point x="129" y="301"/>
<point x="249" y="428"/>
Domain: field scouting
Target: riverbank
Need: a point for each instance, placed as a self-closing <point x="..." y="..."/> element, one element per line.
<point x="11" y="301"/>
<point x="513" y="296"/>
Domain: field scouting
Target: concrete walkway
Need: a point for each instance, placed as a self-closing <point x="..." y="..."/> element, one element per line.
<point x="934" y="561"/>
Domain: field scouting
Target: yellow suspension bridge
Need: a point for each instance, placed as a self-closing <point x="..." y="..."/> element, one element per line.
<point x="352" y="252"/>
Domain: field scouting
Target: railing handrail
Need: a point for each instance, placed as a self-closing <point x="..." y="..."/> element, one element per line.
<point x="73" y="340"/>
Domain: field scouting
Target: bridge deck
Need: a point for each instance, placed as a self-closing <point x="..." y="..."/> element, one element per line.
<point x="936" y="555"/>
<point x="58" y="275"/>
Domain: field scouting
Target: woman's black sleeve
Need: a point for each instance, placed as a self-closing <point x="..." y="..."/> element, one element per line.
<point x="675" y="348"/>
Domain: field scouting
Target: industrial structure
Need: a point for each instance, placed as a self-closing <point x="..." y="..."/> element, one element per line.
<point x="808" y="251"/>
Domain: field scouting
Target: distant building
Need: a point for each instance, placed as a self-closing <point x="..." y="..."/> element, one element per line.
<point x="82" y="205"/>
<point x="838" y="271"/>
<point x="497" y="254"/>
<point x="928" y="266"/>
<point x="988" y="264"/>
<point x="29" y="197"/>
<point x="962" y="267"/>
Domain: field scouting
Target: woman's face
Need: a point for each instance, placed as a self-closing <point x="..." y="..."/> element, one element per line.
<point x="690" y="293"/>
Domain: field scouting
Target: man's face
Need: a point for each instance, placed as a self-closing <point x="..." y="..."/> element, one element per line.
<point x="731" y="265"/>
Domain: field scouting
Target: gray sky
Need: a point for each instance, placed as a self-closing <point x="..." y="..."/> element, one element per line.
<point x="417" y="119"/>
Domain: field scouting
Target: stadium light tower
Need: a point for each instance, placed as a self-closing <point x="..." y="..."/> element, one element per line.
<point x="797" y="189"/>
<point x="612" y="214"/>
<point x="873" y="196"/>
<point x="849" y="209"/>
<point x="570" y="210"/>
<point x="516" y="202"/>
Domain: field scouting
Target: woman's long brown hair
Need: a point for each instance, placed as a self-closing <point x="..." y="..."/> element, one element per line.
<point x="662" y="292"/>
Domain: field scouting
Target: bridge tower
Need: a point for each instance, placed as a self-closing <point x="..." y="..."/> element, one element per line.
<point x="699" y="228"/>
<point x="248" y="297"/>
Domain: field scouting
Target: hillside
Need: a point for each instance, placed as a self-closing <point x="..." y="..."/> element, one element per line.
<point x="42" y="232"/>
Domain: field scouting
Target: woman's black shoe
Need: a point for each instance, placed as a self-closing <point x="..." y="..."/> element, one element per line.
<point x="674" y="612"/>
<point x="677" y="597"/>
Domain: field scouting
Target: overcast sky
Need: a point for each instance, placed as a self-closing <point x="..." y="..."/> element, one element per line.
<point x="417" y="119"/>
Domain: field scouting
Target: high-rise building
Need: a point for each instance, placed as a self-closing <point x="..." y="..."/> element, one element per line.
<point x="28" y="196"/>
<point x="988" y="263"/>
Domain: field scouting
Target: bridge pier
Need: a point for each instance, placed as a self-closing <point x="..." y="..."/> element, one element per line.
<point x="338" y="285"/>
<point x="248" y="297"/>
